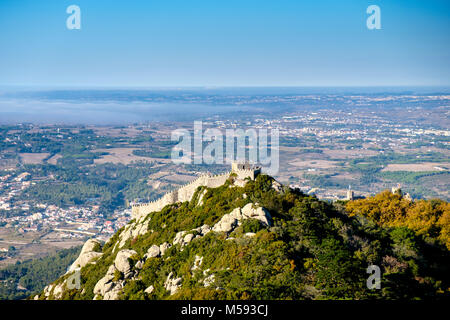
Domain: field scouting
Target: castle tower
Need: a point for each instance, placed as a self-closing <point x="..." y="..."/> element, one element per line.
<point x="397" y="190"/>
<point x="350" y="195"/>
<point x="234" y="166"/>
<point x="408" y="197"/>
<point x="245" y="170"/>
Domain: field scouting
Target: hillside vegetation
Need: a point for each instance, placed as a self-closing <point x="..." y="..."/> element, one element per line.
<point x="21" y="280"/>
<point x="429" y="219"/>
<point x="263" y="241"/>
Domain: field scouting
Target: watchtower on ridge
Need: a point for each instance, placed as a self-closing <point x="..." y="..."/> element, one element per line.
<point x="244" y="170"/>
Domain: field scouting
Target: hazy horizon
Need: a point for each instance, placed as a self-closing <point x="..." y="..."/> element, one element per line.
<point x="124" y="106"/>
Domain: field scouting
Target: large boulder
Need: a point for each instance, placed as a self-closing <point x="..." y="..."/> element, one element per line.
<point x="149" y="289"/>
<point x="249" y="211"/>
<point x="122" y="263"/>
<point x="188" y="238"/>
<point x="172" y="284"/>
<point x="204" y="229"/>
<point x="163" y="248"/>
<point x="114" y="293"/>
<point x="183" y="237"/>
<point x="132" y="231"/>
<point x="87" y="254"/>
<point x="47" y="290"/>
<point x="179" y="237"/>
<point x="258" y="213"/>
<point x="106" y="283"/>
<point x="58" y="291"/>
<point x="153" y="251"/>
<point x="226" y="224"/>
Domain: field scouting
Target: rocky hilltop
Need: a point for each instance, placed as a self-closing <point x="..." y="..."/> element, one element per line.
<point x="252" y="240"/>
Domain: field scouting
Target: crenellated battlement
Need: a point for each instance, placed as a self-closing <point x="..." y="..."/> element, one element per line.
<point x="185" y="192"/>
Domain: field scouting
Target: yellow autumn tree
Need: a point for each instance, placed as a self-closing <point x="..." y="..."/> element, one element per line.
<point x="384" y="208"/>
<point x="444" y="224"/>
<point x="428" y="218"/>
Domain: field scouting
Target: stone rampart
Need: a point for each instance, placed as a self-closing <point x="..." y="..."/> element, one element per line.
<point x="182" y="194"/>
<point x="186" y="192"/>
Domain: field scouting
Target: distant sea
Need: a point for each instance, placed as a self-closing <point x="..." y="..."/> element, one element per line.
<point x="123" y="106"/>
<point x="101" y="113"/>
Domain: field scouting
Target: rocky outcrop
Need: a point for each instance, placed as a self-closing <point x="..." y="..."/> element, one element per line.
<point x="157" y="251"/>
<point x="133" y="230"/>
<point x="250" y="211"/>
<point x="231" y="220"/>
<point x="107" y="287"/>
<point x="58" y="290"/>
<point x="122" y="262"/>
<point x="188" y="238"/>
<point x="110" y="286"/>
<point x="277" y="186"/>
<point x="228" y="222"/>
<point x="185" y="237"/>
<point x="48" y="290"/>
<point x="105" y="284"/>
<point x="87" y="255"/>
<point x="197" y="263"/>
<point x="153" y="252"/>
<point x="163" y="248"/>
<point x="114" y="293"/>
<point x="149" y="290"/>
<point x="200" y="197"/>
<point x="179" y="238"/>
<point x="172" y="284"/>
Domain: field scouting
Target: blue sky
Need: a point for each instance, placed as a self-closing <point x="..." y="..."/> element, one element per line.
<point x="169" y="43"/>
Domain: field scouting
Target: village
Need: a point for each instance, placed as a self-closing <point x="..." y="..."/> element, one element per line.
<point x="48" y="222"/>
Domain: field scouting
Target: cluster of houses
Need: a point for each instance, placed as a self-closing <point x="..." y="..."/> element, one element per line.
<point x="71" y="222"/>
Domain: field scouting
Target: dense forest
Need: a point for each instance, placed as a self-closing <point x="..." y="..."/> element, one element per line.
<point x="21" y="280"/>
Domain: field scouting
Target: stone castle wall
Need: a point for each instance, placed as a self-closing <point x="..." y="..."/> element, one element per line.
<point x="182" y="194"/>
<point x="186" y="192"/>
